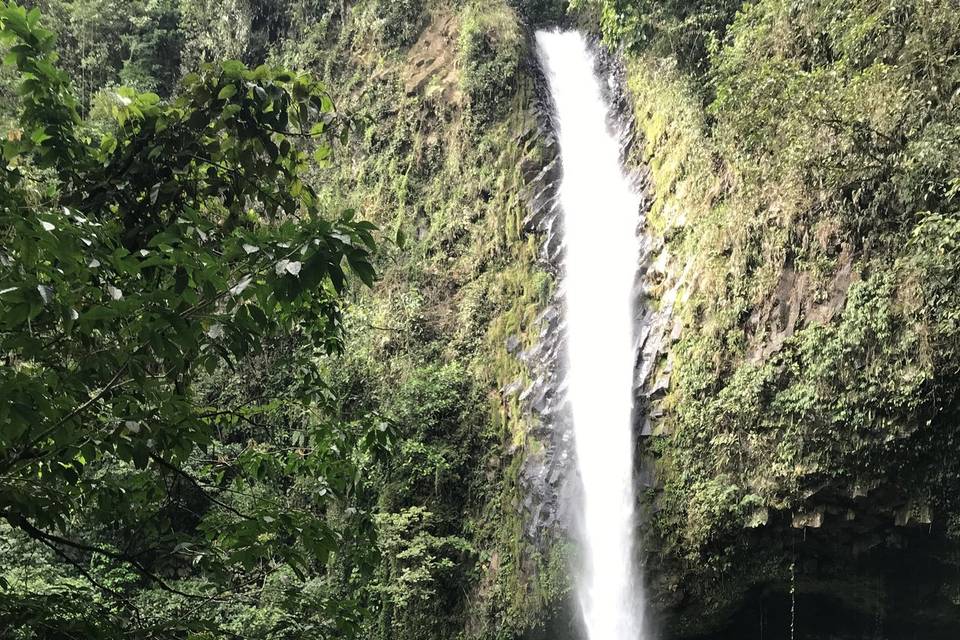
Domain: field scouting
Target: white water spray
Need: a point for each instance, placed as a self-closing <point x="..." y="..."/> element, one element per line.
<point x="600" y="212"/>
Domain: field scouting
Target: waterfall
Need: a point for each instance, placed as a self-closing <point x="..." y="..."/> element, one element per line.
<point x="600" y="216"/>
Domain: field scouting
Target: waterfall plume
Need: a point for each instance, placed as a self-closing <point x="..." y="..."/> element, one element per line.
<point x="600" y="216"/>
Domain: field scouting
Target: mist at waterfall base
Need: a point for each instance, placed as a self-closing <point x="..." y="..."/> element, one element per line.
<point x="600" y="212"/>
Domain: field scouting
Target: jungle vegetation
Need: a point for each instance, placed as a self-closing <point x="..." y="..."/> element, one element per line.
<point x="266" y="286"/>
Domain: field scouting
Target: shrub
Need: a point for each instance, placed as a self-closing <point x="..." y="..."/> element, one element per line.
<point x="490" y="52"/>
<point x="399" y="22"/>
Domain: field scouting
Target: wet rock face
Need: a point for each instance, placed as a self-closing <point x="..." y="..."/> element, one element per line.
<point x="548" y="469"/>
<point x="654" y="330"/>
<point x="850" y="583"/>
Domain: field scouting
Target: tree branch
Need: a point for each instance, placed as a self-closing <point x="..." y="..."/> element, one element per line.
<point x="183" y="474"/>
<point x="81" y="570"/>
<point x="112" y="383"/>
<point x="24" y="525"/>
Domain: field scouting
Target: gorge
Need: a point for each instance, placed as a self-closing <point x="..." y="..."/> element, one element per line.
<point x="484" y="320"/>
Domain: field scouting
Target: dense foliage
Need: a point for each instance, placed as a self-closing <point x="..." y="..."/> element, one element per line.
<point x="207" y="430"/>
<point x="240" y="486"/>
<point x="137" y="265"/>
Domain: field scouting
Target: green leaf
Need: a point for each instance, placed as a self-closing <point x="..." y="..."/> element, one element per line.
<point x="363" y="269"/>
<point x="321" y="154"/>
<point x="108" y="143"/>
<point x="97" y="314"/>
<point x="233" y="69"/>
<point x="227" y="92"/>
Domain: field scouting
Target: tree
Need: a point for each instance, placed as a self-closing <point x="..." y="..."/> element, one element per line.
<point x="104" y="43"/>
<point x="132" y="266"/>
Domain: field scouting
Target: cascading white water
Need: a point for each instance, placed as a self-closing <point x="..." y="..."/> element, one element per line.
<point x="600" y="212"/>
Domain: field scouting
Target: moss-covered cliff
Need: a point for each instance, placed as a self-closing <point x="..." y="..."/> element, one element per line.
<point x="444" y="97"/>
<point x="444" y="168"/>
<point x="805" y="192"/>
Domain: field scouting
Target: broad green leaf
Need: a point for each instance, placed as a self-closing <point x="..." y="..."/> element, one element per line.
<point x="227" y="92"/>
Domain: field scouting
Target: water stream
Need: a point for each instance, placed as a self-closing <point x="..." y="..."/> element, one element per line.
<point x="600" y="215"/>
